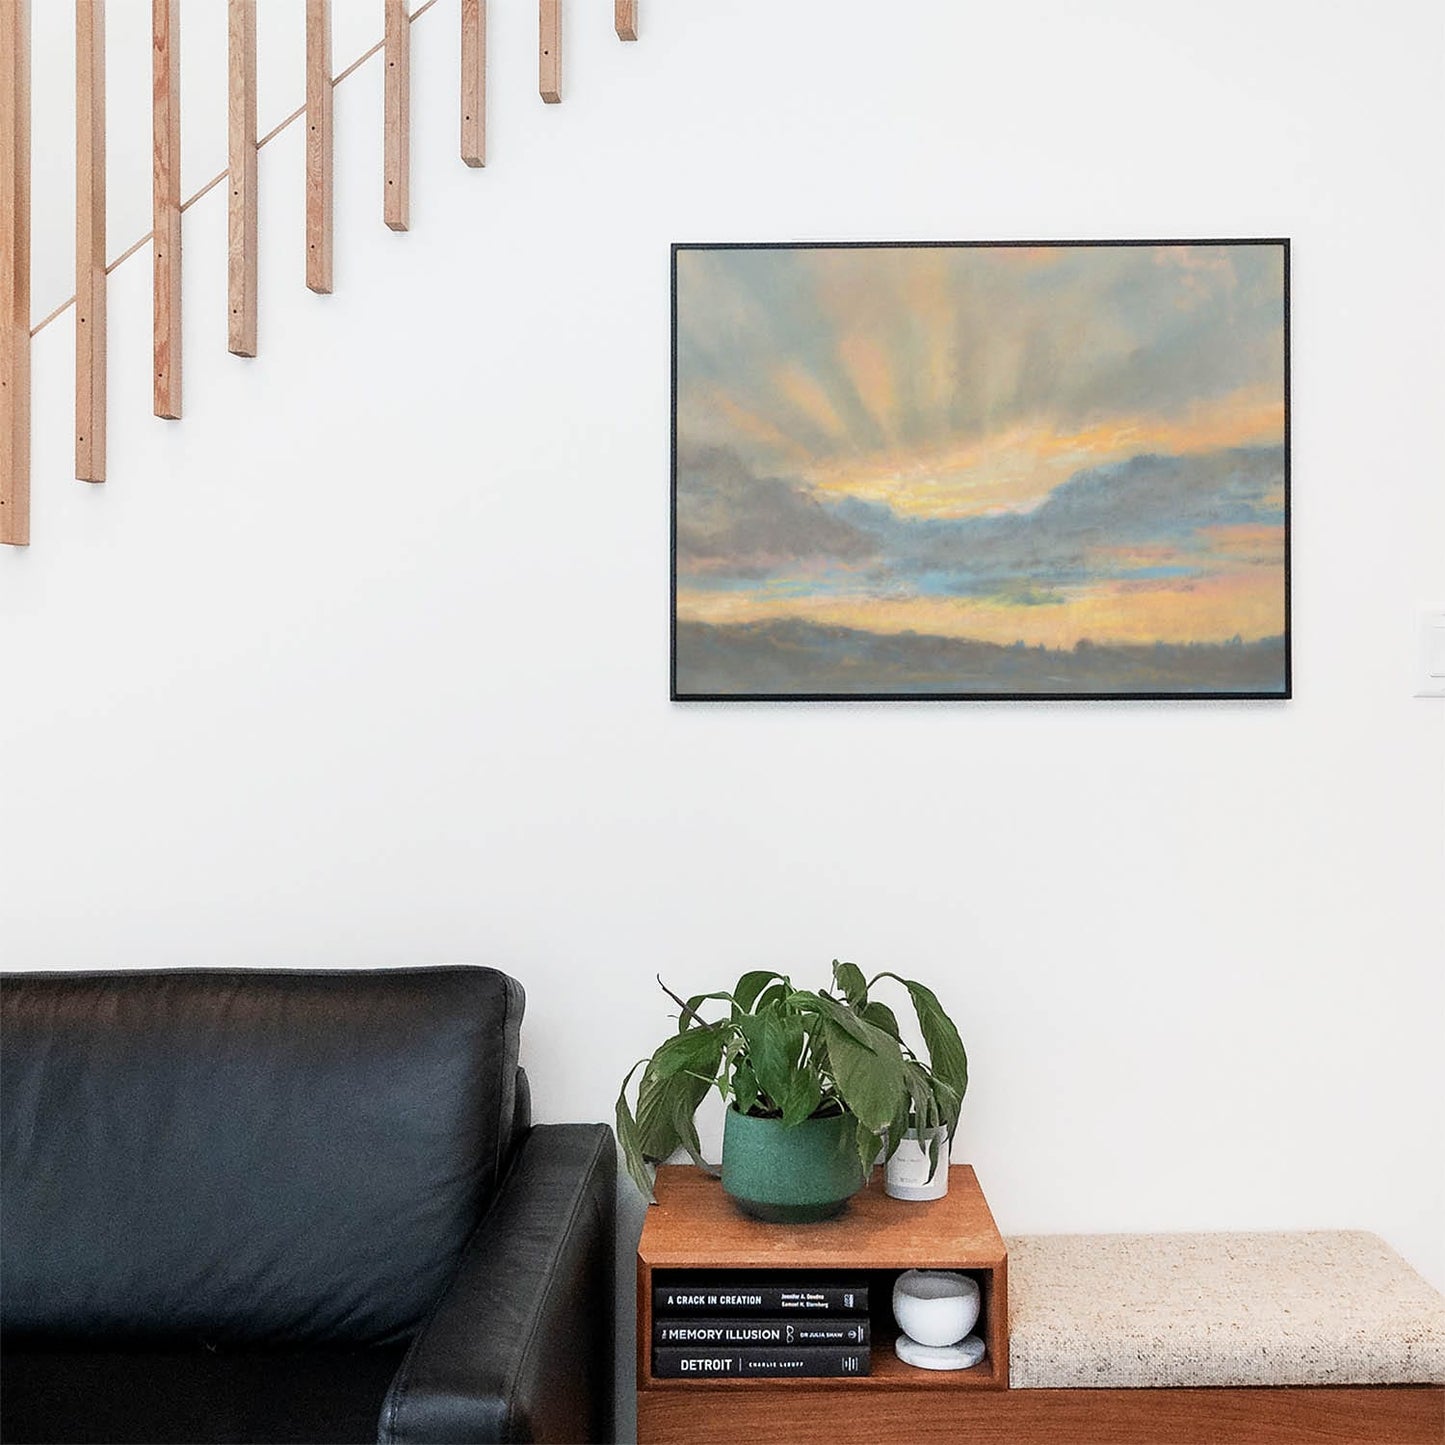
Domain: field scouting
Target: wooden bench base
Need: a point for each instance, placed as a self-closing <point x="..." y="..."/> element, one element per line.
<point x="1264" y="1415"/>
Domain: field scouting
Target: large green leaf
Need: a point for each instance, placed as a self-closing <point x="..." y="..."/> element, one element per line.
<point x="948" y="1103"/>
<point x="745" y="1087"/>
<point x="931" y="1098"/>
<point x="936" y="1141"/>
<point x="881" y="1016"/>
<point x="841" y="1017"/>
<point x="922" y="1104"/>
<point x="867" y="1142"/>
<point x="804" y="1094"/>
<point x="822" y="1065"/>
<point x="750" y="985"/>
<point x="848" y="979"/>
<point x="629" y="1137"/>
<point x="898" y="1125"/>
<point x="733" y="1047"/>
<point x="684" y="1106"/>
<point x="775" y="1044"/>
<point x="869" y="1076"/>
<point x="773" y="993"/>
<point x="695" y="1051"/>
<point x="661" y="1103"/>
<point x="656" y="1135"/>
<point x="946" y="1053"/>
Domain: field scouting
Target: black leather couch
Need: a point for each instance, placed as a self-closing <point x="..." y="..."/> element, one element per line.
<point x="282" y="1206"/>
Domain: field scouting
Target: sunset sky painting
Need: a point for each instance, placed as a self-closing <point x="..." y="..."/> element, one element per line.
<point x="974" y="471"/>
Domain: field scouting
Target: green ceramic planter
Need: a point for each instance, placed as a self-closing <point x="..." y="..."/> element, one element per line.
<point x="791" y="1176"/>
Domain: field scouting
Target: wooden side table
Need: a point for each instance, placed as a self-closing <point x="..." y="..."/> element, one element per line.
<point x="695" y="1228"/>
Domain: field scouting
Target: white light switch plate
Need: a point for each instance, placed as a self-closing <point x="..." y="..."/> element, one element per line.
<point x="1430" y="680"/>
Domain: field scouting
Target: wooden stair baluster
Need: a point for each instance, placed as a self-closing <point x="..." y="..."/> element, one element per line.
<point x="474" y="82"/>
<point x="15" y="272"/>
<point x="549" y="50"/>
<point x="318" y="146"/>
<point x="166" y="204"/>
<point x="243" y="146"/>
<point x="397" y="104"/>
<point x="241" y="211"/>
<point x="90" y="287"/>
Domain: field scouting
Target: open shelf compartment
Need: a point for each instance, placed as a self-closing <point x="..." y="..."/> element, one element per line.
<point x="696" y="1234"/>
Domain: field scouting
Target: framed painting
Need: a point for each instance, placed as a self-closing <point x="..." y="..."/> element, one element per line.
<point x="981" y="470"/>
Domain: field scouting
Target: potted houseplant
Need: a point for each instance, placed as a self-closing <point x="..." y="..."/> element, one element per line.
<point x="816" y="1083"/>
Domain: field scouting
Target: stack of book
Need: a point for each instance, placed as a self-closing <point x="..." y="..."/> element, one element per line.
<point x="786" y="1326"/>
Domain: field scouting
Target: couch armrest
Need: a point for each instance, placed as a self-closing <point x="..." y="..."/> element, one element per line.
<point x="520" y="1345"/>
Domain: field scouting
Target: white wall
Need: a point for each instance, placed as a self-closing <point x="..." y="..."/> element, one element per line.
<point x="365" y="661"/>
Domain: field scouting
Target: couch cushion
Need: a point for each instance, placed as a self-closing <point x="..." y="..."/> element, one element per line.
<point x="111" y="1397"/>
<point x="1316" y="1308"/>
<point x="246" y="1156"/>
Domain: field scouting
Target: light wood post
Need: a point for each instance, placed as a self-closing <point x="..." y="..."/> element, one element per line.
<point x="474" y="82"/>
<point x="318" y="145"/>
<point x="624" y="19"/>
<point x="397" y="104"/>
<point x="166" y="203"/>
<point x="549" y="50"/>
<point x="15" y="272"/>
<point x="90" y="299"/>
<point x="241" y="211"/>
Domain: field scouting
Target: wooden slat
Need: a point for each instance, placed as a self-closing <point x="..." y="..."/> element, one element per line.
<point x="397" y="103"/>
<point x="166" y="203"/>
<point x="625" y="19"/>
<point x="90" y="297"/>
<point x="549" y="50"/>
<point x="474" y="82"/>
<point x="318" y="145"/>
<point x="931" y="1412"/>
<point x="15" y="272"/>
<point x="241" y="150"/>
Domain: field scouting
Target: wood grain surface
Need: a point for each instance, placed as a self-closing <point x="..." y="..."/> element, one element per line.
<point x="241" y="216"/>
<point x="318" y="146"/>
<point x="696" y="1227"/>
<point x="1303" y="1415"/>
<point x="549" y="50"/>
<point x="396" y="101"/>
<point x="166" y="204"/>
<point x="90" y="289"/>
<point x="15" y="272"/>
<point x="474" y="82"/>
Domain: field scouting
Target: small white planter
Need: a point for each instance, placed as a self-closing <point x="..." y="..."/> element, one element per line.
<point x="935" y="1308"/>
<point x="906" y="1174"/>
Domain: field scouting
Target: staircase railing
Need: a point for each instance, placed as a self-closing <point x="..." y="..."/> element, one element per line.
<point x="169" y="207"/>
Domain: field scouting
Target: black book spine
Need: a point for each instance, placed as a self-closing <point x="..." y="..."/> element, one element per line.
<point x="745" y="1299"/>
<point x="817" y="1362"/>
<point x="780" y="1330"/>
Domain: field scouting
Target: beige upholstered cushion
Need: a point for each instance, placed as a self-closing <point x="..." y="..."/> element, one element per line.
<point x="1326" y="1308"/>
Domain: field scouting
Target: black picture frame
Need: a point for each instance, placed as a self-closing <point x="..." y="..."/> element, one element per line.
<point x="1282" y="693"/>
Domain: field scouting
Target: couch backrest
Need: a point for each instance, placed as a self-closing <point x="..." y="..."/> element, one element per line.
<point x="246" y="1156"/>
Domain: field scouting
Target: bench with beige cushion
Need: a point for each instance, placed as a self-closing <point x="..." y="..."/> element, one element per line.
<point x="1221" y="1337"/>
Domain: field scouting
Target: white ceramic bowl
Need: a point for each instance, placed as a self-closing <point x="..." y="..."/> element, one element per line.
<point x="935" y="1306"/>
